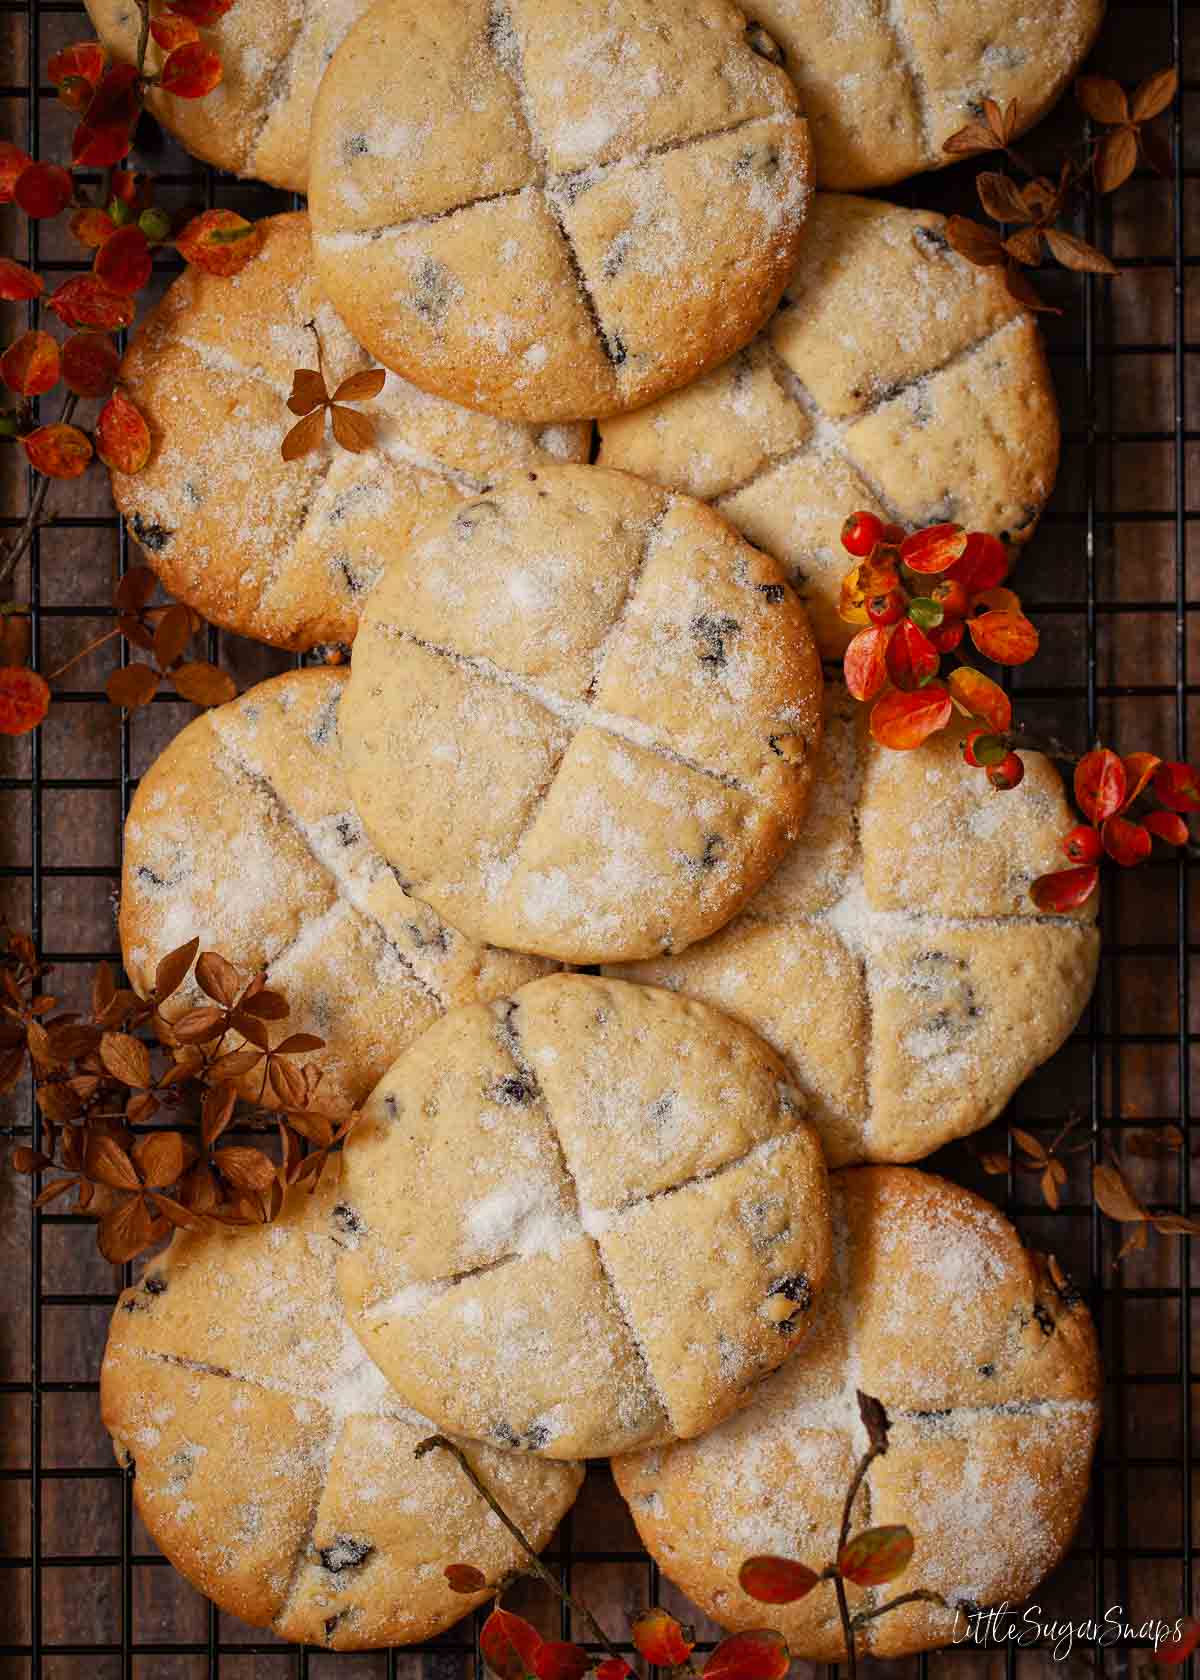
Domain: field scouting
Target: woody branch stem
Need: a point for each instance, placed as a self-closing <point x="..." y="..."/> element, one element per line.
<point x="33" y="519"/>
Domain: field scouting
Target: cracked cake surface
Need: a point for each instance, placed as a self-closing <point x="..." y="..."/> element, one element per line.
<point x="989" y="1371"/>
<point x="550" y="210"/>
<point x="273" y="1464"/>
<point x="590" y="1216"/>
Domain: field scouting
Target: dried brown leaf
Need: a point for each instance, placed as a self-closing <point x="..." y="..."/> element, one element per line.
<point x="104" y="988"/>
<point x="1049" y="1189"/>
<point x="216" y="1112"/>
<point x="361" y="387"/>
<point x="268" y="1006"/>
<point x="245" y="1168"/>
<point x="308" y="391"/>
<point x="251" y="1029"/>
<point x="176" y="1213"/>
<point x="22" y="1159"/>
<point x="1001" y="197"/>
<point x="286" y="1082"/>
<point x="125" y="1231"/>
<point x="1020" y="287"/>
<point x="160" y="1158"/>
<point x="1175" y="1225"/>
<point x="1025" y="245"/>
<point x="298" y="1044"/>
<point x="135" y="589"/>
<point x="354" y="431"/>
<point x="72" y="1040"/>
<point x="172" y="635"/>
<point x="171" y="970"/>
<point x="126" y="1058"/>
<point x="204" y="684"/>
<point x="59" y="1103"/>
<point x="199" y="1025"/>
<point x="1032" y="1146"/>
<point x="305" y="436"/>
<point x="993" y="1162"/>
<point x="58" y="1187"/>
<point x="132" y="686"/>
<point x="1154" y="94"/>
<point x="107" y="1163"/>
<point x="234" y="1063"/>
<point x="1113" y="1195"/>
<point x="1102" y="99"/>
<point x="973" y="137"/>
<point x="217" y="978"/>
<point x="980" y="245"/>
<point x="1116" y="156"/>
<point x="1077" y="254"/>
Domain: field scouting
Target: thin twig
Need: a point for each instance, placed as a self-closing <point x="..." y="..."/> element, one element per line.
<point x="920" y="1595"/>
<point x="91" y="647"/>
<point x="33" y="519"/>
<point x="539" y="1567"/>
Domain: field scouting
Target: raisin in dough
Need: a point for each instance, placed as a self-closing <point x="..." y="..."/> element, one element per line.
<point x="990" y="1374"/>
<point x="286" y="550"/>
<point x="895" y="376"/>
<point x="582" y="717"/>
<point x="885" y="83"/>
<point x="257" y="121"/>
<point x="551" y="209"/>
<point x="895" y="959"/>
<point x="591" y="1216"/>
<point x="242" y="833"/>
<point x="272" y="1463"/>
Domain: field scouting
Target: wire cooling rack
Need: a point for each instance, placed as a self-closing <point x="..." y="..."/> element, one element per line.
<point x="1112" y="579"/>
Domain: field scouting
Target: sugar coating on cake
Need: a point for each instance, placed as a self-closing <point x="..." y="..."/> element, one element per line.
<point x="242" y="834"/>
<point x="553" y="211"/>
<point x="272" y="1462"/>
<point x="587" y="1217"/>
<point x="989" y="1372"/>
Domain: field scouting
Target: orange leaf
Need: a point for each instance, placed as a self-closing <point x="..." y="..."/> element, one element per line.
<point x="220" y="242"/>
<point x="17" y="283"/>
<point x="661" y="1639"/>
<point x="1103" y="99"/>
<point x="31" y="365"/>
<point x="509" y="1645"/>
<point x="1114" y="1197"/>
<point x="125" y="1231"/>
<point x="1139" y="769"/>
<point x="305" y="435"/>
<point x="160" y="1157"/>
<point x="352" y="430"/>
<point x="190" y="71"/>
<point x="204" y="684"/>
<point x="876" y="1556"/>
<point x="614" y="1668"/>
<point x="24" y="700"/>
<point x="84" y="301"/>
<point x="462" y="1577"/>
<point x="126" y="1058"/>
<point x="980" y="245"/>
<point x="1177" y="786"/>
<point x="995" y="600"/>
<point x="756" y="1654"/>
<point x="1007" y="637"/>
<point x="132" y="685"/>
<point x="203" y="12"/>
<point x="245" y="1168"/>
<point x="1100" y="784"/>
<point x="1154" y="94"/>
<point x="558" y="1660"/>
<point x="92" y="227"/>
<point x="308" y="390"/>
<point x="108" y="1164"/>
<point x="89" y="364"/>
<point x="123" y="262"/>
<point x="865" y="662"/>
<point x="776" y="1580"/>
<point x="903" y="721"/>
<point x="13" y="163"/>
<point x="911" y="657"/>
<point x="934" y="549"/>
<point x="1167" y="826"/>
<point x="980" y="697"/>
<point x="58" y="451"/>
<point x="983" y="565"/>
<point x="1065" y="889"/>
<point x="218" y="978"/>
<point x="1126" y="843"/>
<point x="1116" y="159"/>
<point x="122" y="435"/>
<point x="1077" y="254"/>
<point x="361" y="387"/>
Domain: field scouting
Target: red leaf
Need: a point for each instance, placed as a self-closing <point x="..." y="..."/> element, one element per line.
<point x="84" y="60"/>
<point x="757" y="1654"/>
<point x="203" y="12"/>
<point x="557" y="1660"/>
<point x="30" y="366"/>
<point x="1179" y="1648"/>
<point x="776" y="1580"/>
<point x="44" y="189"/>
<point x="191" y="71"/>
<point x="614" y="1668"/>
<point x="1126" y="843"/>
<point x="1007" y="637"/>
<point x="865" y="662"/>
<point x="92" y="227"/>
<point x="980" y="697"/>
<point x="984" y="563"/>
<point x="661" y="1639"/>
<point x="17" y="283"/>
<point x="934" y="549"/>
<point x="122" y="436"/>
<point x="1168" y="826"/>
<point x="1178" y="786"/>
<point x="24" y="700"/>
<point x="123" y="263"/>
<point x="170" y="30"/>
<point x="1099" y="784"/>
<point x="89" y="364"/>
<point x="84" y="301"/>
<point x="115" y="103"/>
<point x="903" y="721"/>
<point x="462" y="1577"/>
<point x="876" y="1556"/>
<point x="1139" y="768"/>
<point x="58" y="451"/>
<point x="1065" y="889"/>
<point x="13" y="163"/>
<point x="509" y="1645"/>
<point x="219" y="241"/>
<point x="911" y="657"/>
<point x="100" y="148"/>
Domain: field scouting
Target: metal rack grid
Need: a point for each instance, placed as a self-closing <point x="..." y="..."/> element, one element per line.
<point x="1112" y="579"/>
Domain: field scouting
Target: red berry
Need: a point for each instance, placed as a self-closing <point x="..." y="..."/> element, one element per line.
<point x="1082" y="845"/>
<point x="860" y="533"/>
<point x="951" y="596"/>
<point x="888" y="608"/>
<point x="1009" y="773"/>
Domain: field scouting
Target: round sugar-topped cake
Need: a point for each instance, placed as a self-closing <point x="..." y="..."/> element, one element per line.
<point x="587" y="1217"/>
<point x="894" y="376"/>
<point x="272" y="1463"/>
<point x="986" y="1362"/>
<point x="582" y="717"/>
<point x="895" y="958"/>
<point x="242" y="834"/>
<point x="286" y="550"/>
<point x="884" y="86"/>
<point x="553" y="210"/>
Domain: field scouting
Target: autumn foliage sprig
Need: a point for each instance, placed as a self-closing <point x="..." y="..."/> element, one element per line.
<point x="514" y="1650"/>
<point x="95" y="1079"/>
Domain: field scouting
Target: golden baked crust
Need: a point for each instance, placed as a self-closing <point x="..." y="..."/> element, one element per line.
<point x="991" y="1377"/>
<point x="273" y="1465"/>
<point x="552" y="211"/>
<point x="895" y="959"/>
<point x="285" y="551"/>
<point x="592" y="1216"/>
<point x="582" y="717"/>
<point x="242" y="833"/>
<point x="894" y="377"/>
